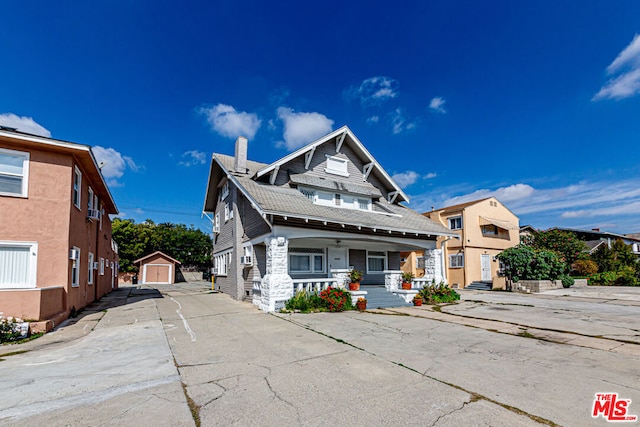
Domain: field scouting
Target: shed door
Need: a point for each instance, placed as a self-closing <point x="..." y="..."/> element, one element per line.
<point x="157" y="274"/>
<point x="485" y="262"/>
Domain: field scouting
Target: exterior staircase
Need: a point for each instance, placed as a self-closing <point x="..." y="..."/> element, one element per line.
<point x="379" y="297"/>
<point x="480" y="286"/>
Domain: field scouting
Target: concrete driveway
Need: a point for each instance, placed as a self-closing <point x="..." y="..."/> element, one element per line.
<point x="184" y="355"/>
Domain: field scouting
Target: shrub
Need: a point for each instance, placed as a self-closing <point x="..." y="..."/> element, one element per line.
<point x="437" y="294"/>
<point x="524" y="262"/>
<point x="567" y="281"/>
<point x="304" y="302"/>
<point x="335" y="299"/>
<point x="585" y="267"/>
<point x="606" y="278"/>
<point x="10" y="329"/>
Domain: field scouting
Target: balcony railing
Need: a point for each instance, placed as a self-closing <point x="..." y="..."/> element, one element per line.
<point x="313" y="285"/>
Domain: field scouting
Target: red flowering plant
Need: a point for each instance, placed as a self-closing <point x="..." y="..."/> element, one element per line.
<point x="336" y="299"/>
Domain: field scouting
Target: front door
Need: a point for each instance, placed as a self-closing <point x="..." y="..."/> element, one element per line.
<point x="337" y="258"/>
<point x="485" y="263"/>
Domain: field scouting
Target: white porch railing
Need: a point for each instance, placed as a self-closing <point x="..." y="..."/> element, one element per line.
<point x="313" y="285"/>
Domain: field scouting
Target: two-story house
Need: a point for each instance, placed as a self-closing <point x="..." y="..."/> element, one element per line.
<point x="56" y="250"/>
<point x="308" y="218"/>
<point x="486" y="227"/>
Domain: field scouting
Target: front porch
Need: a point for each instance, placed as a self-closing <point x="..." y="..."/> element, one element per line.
<point x="293" y="265"/>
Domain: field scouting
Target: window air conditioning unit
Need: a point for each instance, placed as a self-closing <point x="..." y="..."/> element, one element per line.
<point x="246" y="260"/>
<point x="73" y="254"/>
<point x="93" y="214"/>
<point x="95" y="265"/>
<point x="216" y="229"/>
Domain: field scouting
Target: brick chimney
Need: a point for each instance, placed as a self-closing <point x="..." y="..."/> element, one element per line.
<point x="240" y="163"/>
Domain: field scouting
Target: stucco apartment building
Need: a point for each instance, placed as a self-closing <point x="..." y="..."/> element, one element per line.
<point x="56" y="249"/>
<point x="485" y="228"/>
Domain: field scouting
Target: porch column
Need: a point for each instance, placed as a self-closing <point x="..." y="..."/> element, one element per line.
<point x="276" y="285"/>
<point x="433" y="267"/>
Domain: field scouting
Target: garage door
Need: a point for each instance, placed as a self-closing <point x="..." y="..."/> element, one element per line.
<point x="158" y="274"/>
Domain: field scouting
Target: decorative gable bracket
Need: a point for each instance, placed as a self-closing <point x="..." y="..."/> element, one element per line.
<point x="339" y="141"/>
<point x="392" y="196"/>
<point x="274" y="175"/>
<point x="308" y="156"/>
<point x="366" y="170"/>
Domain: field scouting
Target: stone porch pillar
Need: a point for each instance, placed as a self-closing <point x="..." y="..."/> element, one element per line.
<point x="276" y="285"/>
<point x="433" y="265"/>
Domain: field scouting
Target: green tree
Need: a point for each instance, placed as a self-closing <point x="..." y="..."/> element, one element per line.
<point x="564" y="243"/>
<point x="526" y="263"/>
<point x="190" y="246"/>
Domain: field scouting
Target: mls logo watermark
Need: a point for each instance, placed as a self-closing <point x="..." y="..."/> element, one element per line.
<point x="611" y="408"/>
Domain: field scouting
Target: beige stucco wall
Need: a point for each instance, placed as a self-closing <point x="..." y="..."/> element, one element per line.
<point x="472" y="242"/>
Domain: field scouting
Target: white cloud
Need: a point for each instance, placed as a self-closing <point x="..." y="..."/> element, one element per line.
<point x="405" y="179"/>
<point x="226" y="121"/>
<point x="437" y="105"/>
<point x="193" y="158"/>
<point x="302" y="128"/>
<point x="373" y="119"/>
<point x="430" y="175"/>
<point x="627" y="83"/>
<point x="504" y="194"/>
<point x="399" y="122"/>
<point x="114" y="164"/>
<point x="374" y="90"/>
<point x="23" y="124"/>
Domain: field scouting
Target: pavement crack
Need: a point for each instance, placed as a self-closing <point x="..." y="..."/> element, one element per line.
<point x="450" y="412"/>
<point x="277" y="396"/>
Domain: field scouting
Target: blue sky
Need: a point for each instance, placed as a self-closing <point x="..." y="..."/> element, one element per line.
<point x="536" y="103"/>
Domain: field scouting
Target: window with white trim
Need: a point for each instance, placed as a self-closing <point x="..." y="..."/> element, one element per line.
<point x="376" y="262"/>
<point x="456" y="260"/>
<point x="247" y="249"/>
<point x="455" y="223"/>
<point x="341" y="200"/>
<point x="221" y="263"/>
<point x="90" y="199"/>
<point x="224" y="191"/>
<point x="226" y="212"/>
<point x="77" y="186"/>
<point x="309" y="194"/>
<point x="101" y="266"/>
<point x="489" y="230"/>
<point x="364" y="204"/>
<point x="337" y="166"/>
<point x="306" y="260"/>
<point x="90" y="269"/>
<point x="18" y="262"/>
<point x="75" y="268"/>
<point x="14" y="173"/>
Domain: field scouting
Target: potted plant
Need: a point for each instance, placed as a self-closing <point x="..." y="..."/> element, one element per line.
<point x="361" y="304"/>
<point x="407" y="277"/>
<point x="417" y="300"/>
<point x="355" y="276"/>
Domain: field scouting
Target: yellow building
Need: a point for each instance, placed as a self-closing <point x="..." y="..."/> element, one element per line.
<point x="486" y="228"/>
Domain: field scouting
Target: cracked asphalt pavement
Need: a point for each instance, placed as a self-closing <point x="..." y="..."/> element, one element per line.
<point x="183" y="355"/>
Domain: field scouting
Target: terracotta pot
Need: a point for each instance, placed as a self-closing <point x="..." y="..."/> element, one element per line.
<point x="417" y="302"/>
<point x="354" y="286"/>
<point x="361" y="305"/>
<point x="406" y="285"/>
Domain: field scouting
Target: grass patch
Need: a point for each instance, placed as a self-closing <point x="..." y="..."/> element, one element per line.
<point x="195" y="409"/>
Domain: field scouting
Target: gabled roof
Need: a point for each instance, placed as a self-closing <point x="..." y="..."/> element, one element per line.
<point x="348" y="138"/>
<point x="82" y="153"/>
<point x="460" y="206"/>
<point x="154" y="254"/>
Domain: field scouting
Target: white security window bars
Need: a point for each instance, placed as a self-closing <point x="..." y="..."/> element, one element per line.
<point x="456" y="261"/>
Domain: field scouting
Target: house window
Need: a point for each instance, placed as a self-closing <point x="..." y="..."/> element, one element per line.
<point x="77" y="186"/>
<point x="455" y="223"/>
<point x="18" y="261"/>
<point x="337" y="166"/>
<point x="226" y="212"/>
<point x="364" y="204"/>
<point x="101" y="266"/>
<point x="456" y="261"/>
<point x="216" y="223"/>
<point x="309" y="194"/>
<point x="14" y="173"/>
<point x="489" y="230"/>
<point x="306" y="260"/>
<point x="420" y="262"/>
<point x="224" y="192"/>
<point x="75" y="268"/>
<point x="337" y="199"/>
<point x="376" y="262"/>
<point x="90" y="269"/>
<point x="221" y="263"/>
<point x="90" y="199"/>
<point x="101" y="212"/>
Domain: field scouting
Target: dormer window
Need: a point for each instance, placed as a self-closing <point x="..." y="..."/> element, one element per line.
<point x="345" y="201"/>
<point x="337" y="166"/>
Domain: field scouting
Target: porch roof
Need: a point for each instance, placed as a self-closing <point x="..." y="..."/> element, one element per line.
<point x="285" y="201"/>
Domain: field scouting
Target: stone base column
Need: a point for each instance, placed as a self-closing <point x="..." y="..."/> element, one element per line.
<point x="276" y="286"/>
<point x="392" y="279"/>
<point x="433" y="265"/>
<point x="342" y="274"/>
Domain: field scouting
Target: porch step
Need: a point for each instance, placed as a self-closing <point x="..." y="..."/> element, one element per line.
<point x="379" y="297"/>
<point x="480" y="286"/>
